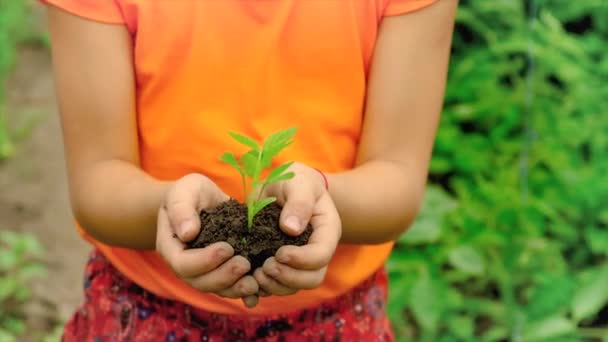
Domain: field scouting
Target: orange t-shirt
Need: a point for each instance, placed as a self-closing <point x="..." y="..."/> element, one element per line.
<point x="204" y="67"/>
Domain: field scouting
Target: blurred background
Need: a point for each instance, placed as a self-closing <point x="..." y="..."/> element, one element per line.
<point x="512" y="241"/>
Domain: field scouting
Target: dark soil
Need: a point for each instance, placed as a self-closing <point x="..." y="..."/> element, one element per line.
<point x="228" y="222"/>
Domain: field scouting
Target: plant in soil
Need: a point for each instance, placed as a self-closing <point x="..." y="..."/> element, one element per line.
<point x="252" y="228"/>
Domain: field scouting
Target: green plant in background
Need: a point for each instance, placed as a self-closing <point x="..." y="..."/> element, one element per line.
<point x="254" y="162"/>
<point x="512" y="242"/>
<point x="19" y="263"/>
<point x="15" y="28"/>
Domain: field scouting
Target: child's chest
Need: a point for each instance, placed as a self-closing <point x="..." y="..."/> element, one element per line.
<point x="253" y="30"/>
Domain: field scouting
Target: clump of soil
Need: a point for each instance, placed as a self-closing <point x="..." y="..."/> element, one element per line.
<point x="228" y="222"/>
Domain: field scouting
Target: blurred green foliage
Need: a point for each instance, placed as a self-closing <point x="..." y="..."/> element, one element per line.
<point x="20" y="253"/>
<point x="512" y="242"/>
<point x="19" y="263"/>
<point x="15" y="27"/>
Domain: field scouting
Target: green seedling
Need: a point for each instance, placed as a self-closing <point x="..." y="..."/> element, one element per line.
<point x="252" y="164"/>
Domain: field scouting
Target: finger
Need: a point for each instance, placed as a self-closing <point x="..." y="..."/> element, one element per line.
<point x="327" y="231"/>
<point x="222" y="277"/>
<point x="271" y="286"/>
<point x="181" y="204"/>
<point x="298" y="208"/>
<point x="293" y="278"/>
<point x="188" y="263"/>
<point x="251" y="301"/>
<point x="244" y="287"/>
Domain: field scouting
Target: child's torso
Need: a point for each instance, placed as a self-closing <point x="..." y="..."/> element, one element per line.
<point x="206" y="67"/>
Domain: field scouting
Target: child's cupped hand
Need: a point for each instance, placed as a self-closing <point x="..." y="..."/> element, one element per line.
<point x="214" y="268"/>
<point x="305" y="200"/>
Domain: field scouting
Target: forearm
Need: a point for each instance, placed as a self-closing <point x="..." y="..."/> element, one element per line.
<point x="117" y="203"/>
<point x="377" y="200"/>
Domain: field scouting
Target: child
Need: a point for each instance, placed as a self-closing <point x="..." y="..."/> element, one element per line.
<point x="148" y="91"/>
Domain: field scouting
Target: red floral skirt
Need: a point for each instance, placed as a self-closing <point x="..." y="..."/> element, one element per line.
<point x="116" y="309"/>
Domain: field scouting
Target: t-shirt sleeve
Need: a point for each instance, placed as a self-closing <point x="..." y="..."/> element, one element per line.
<point x="105" y="11"/>
<point x="397" y="7"/>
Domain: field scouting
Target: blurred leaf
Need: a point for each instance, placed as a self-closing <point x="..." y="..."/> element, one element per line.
<point x="15" y="326"/>
<point x="603" y="216"/>
<point x="31" y="245"/>
<point x="551" y="295"/>
<point x="597" y="239"/>
<point x="8" y="260"/>
<point x="467" y="259"/>
<point x="427" y="227"/>
<point x="21" y="294"/>
<point x="591" y="296"/>
<point x="8" y="287"/>
<point x="6" y="336"/>
<point x="495" y="334"/>
<point x="427" y="302"/>
<point x="425" y="230"/>
<point x="548" y="329"/>
<point x="461" y="326"/>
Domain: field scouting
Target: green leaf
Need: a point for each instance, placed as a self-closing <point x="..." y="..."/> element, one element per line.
<point x="275" y="143"/>
<point x="495" y="333"/>
<point x="278" y="172"/>
<point x="261" y="204"/>
<point x="461" y="326"/>
<point x="230" y="159"/>
<point x="591" y="296"/>
<point x="245" y="140"/>
<point x="424" y="230"/>
<point x="554" y="293"/>
<point x="427" y="302"/>
<point x="6" y="336"/>
<point x="31" y="245"/>
<point x="283" y="177"/>
<point x="427" y="227"/>
<point x="8" y="260"/>
<point x="603" y="216"/>
<point x="597" y="239"/>
<point x="22" y="294"/>
<point x="548" y="329"/>
<point x="14" y="325"/>
<point x="250" y="164"/>
<point x="467" y="259"/>
<point x="8" y="287"/>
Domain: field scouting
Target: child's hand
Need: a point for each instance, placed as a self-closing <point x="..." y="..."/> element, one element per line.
<point x="211" y="269"/>
<point x="304" y="199"/>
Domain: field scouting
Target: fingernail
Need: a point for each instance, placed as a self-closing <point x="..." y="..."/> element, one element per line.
<point x="185" y="227"/>
<point x="283" y="258"/>
<point x="223" y="253"/>
<point x="251" y="301"/>
<point x="293" y="223"/>
<point x="237" y="270"/>
<point x="273" y="271"/>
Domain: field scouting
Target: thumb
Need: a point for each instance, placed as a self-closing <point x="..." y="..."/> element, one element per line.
<point x="181" y="204"/>
<point x="184" y="220"/>
<point x="297" y="211"/>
